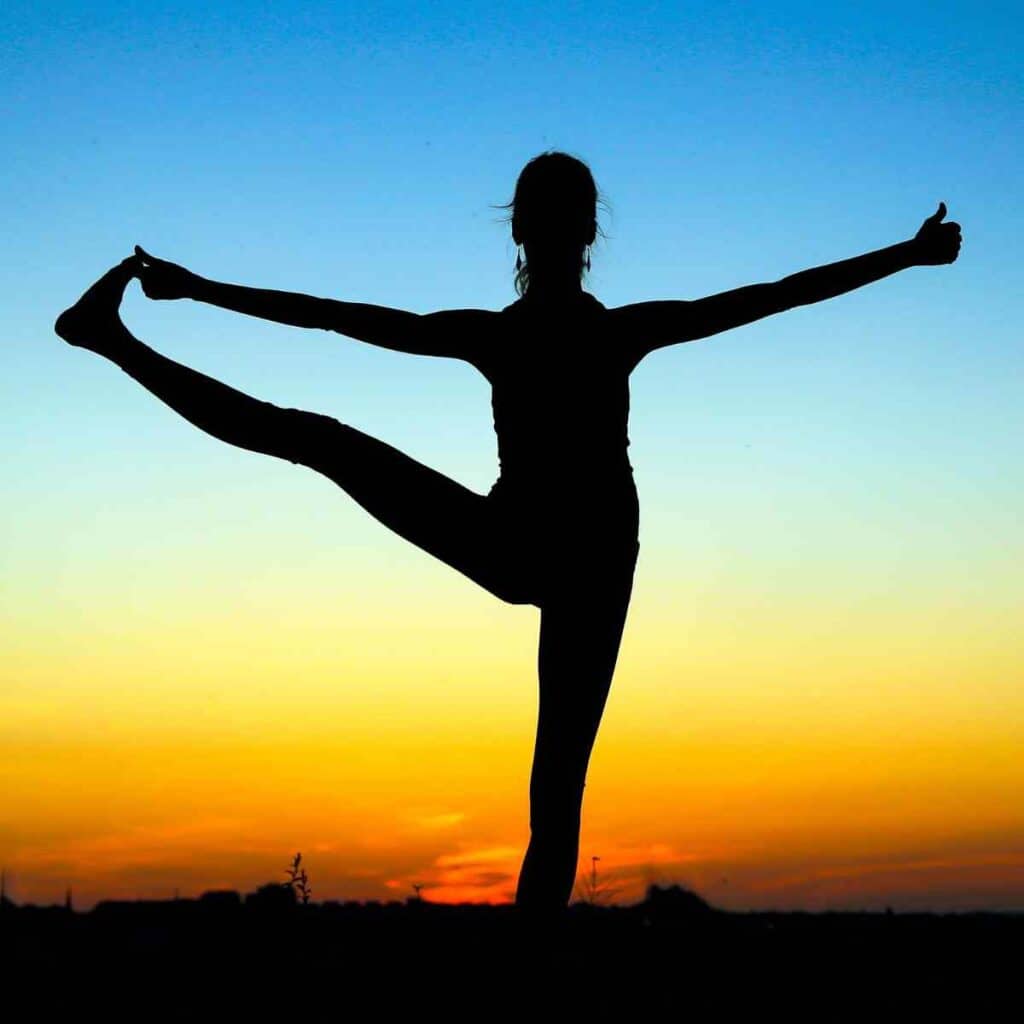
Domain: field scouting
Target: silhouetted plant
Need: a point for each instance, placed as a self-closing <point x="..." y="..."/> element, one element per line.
<point x="592" y="890"/>
<point x="298" y="879"/>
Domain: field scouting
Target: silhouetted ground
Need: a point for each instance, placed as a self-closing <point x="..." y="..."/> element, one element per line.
<point x="670" y="957"/>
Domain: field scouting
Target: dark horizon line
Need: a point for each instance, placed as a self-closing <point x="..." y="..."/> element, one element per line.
<point x="221" y="899"/>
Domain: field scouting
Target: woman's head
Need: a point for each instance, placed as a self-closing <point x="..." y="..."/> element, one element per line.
<point x="554" y="214"/>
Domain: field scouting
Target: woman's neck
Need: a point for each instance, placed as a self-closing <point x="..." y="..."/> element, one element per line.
<point x="547" y="291"/>
<point x="553" y="275"/>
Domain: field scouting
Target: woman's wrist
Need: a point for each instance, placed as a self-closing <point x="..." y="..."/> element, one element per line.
<point x="910" y="252"/>
<point x="198" y="288"/>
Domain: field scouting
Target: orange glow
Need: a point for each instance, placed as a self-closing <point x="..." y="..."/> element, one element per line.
<point x="171" y="747"/>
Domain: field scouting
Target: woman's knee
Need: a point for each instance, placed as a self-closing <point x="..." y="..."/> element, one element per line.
<point x="309" y="438"/>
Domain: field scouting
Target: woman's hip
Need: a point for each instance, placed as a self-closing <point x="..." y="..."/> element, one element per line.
<point x="558" y="543"/>
<point x="585" y="563"/>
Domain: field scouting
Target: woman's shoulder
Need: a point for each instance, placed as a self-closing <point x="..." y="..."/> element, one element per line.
<point x="522" y="304"/>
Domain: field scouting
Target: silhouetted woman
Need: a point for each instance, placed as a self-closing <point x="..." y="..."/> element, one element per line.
<point x="559" y="527"/>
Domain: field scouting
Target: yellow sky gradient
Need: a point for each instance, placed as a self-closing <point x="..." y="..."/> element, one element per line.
<point x="817" y="753"/>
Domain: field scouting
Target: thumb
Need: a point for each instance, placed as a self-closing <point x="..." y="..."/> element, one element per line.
<point x="139" y="251"/>
<point x="938" y="214"/>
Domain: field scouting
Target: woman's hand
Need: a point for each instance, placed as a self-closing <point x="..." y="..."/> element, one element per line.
<point x="163" y="280"/>
<point x="936" y="242"/>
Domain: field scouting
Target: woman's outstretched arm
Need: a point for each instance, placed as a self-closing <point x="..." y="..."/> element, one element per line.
<point x="651" y="325"/>
<point x="455" y="333"/>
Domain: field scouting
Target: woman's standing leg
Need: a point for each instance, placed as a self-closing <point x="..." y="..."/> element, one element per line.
<point x="580" y="634"/>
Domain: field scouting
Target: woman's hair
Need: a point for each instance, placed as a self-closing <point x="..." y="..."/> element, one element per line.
<point x="555" y="203"/>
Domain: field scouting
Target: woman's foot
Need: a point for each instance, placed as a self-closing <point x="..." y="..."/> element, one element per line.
<point x="93" y="322"/>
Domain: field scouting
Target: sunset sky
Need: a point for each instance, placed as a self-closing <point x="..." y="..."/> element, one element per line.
<point x="213" y="659"/>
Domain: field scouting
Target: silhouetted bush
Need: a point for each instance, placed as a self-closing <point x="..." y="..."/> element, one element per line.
<point x="671" y="902"/>
<point x="272" y="896"/>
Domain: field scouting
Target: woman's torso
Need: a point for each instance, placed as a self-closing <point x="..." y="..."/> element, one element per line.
<point x="560" y="398"/>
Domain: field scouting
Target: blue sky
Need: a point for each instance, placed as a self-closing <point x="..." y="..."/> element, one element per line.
<point x="356" y="151"/>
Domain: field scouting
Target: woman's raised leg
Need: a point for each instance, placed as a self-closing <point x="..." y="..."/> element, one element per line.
<point x="432" y="511"/>
<point x="580" y="635"/>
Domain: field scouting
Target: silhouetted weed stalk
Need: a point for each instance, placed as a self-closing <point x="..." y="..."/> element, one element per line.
<point x="298" y="879"/>
<point x="594" y="891"/>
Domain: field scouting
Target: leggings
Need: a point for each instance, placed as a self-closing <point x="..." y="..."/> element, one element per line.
<point x="575" y="562"/>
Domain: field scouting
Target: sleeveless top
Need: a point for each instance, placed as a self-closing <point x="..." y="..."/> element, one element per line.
<point x="560" y="399"/>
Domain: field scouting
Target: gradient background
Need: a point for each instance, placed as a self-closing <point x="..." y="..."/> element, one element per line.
<point x="213" y="659"/>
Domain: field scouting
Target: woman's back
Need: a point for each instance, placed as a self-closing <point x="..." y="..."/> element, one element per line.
<point x="560" y="397"/>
